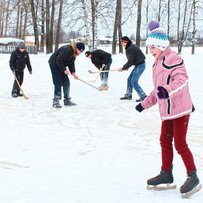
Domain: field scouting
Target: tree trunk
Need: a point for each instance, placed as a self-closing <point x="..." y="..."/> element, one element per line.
<point x="21" y="21"/>
<point x="51" y="33"/>
<point x="117" y="28"/>
<point x="185" y="28"/>
<point x="120" y="25"/>
<point x="47" y="27"/>
<point x="139" y="11"/>
<point x="94" y="4"/>
<point x="147" y="20"/>
<point x="159" y="11"/>
<point x="59" y="26"/>
<point x="168" y="19"/>
<point x="17" y="21"/>
<point x="7" y="17"/>
<point x="178" y="26"/>
<point x="34" y="20"/>
<point x="194" y="26"/>
<point x="25" y="20"/>
<point x="86" y="25"/>
<point x="42" y="28"/>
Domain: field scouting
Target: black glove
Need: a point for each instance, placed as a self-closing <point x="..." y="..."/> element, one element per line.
<point x="139" y="107"/>
<point x="162" y="93"/>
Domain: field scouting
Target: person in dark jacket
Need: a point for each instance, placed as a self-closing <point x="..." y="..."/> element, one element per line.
<point x="102" y="60"/>
<point x="135" y="57"/>
<point x="64" y="57"/>
<point x="18" y="59"/>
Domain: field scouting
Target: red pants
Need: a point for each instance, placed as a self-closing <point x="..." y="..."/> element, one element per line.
<point x="175" y="129"/>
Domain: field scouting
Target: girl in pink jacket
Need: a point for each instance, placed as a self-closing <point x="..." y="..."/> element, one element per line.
<point x="171" y="92"/>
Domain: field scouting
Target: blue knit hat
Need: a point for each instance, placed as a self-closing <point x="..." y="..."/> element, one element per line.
<point x="157" y="36"/>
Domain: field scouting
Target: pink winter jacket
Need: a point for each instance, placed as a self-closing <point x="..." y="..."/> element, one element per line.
<point x="169" y="71"/>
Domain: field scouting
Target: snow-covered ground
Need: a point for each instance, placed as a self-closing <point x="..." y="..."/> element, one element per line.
<point x="100" y="151"/>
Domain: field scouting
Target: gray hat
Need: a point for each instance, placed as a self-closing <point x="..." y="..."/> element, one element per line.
<point x="21" y="45"/>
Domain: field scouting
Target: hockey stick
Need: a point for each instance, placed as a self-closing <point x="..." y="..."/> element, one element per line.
<point x="103" y="71"/>
<point x="89" y="84"/>
<point x="25" y="97"/>
<point x="95" y="78"/>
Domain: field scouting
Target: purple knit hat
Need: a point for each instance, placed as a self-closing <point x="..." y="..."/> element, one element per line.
<point x="157" y="36"/>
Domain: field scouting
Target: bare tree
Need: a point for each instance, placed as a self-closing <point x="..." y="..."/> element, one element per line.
<point x="26" y="6"/>
<point x="47" y="27"/>
<point x="51" y="33"/>
<point x="1" y="20"/>
<point x="159" y="10"/>
<point x="182" y="35"/>
<point x="18" y="21"/>
<point x="20" y="33"/>
<point x="139" y="11"/>
<point x="117" y="28"/>
<point x="58" y="31"/>
<point x="42" y="27"/>
<point x="86" y="24"/>
<point x="194" y="31"/>
<point x="34" y="19"/>
<point x="45" y="17"/>
<point x="147" y="19"/>
<point x="7" y="17"/>
<point x="49" y="19"/>
<point x="120" y="26"/>
<point x="168" y="16"/>
<point x="94" y="4"/>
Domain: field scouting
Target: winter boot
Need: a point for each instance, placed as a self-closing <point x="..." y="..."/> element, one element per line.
<point x="126" y="97"/>
<point x="68" y="102"/>
<point x="56" y="103"/>
<point x="191" y="184"/>
<point x="14" y="94"/>
<point x="103" y="87"/>
<point x="162" y="178"/>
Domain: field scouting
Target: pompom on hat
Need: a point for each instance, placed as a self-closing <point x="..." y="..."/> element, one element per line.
<point x="157" y="36"/>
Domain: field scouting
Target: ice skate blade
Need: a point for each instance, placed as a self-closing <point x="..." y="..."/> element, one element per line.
<point x="193" y="191"/>
<point x="161" y="187"/>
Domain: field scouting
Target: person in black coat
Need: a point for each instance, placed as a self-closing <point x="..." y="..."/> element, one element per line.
<point x="18" y="60"/>
<point x="102" y="60"/>
<point x="134" y="57"/>
<point x="64" y="57"/>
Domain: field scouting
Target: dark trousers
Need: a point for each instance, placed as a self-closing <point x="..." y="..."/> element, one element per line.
<point x="19" y="76"/>
<point x="176" y="130"/>
<point x="60" y="79"/>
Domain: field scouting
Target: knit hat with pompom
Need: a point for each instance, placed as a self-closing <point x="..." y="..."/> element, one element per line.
<point x="157" y="36"/>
